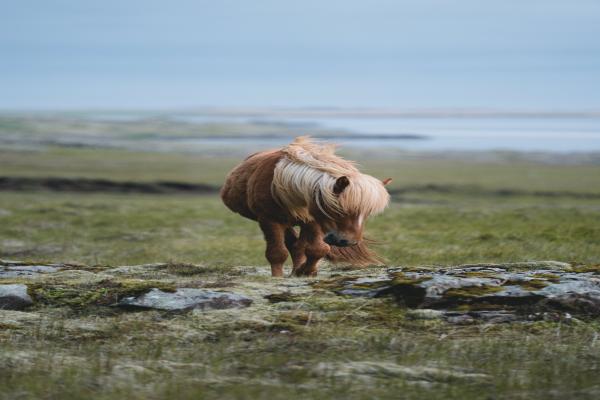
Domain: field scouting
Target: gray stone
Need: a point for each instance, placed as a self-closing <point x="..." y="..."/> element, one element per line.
<point x="585" y="303"/>
<point x="14" y="297"/>
<point x="461" y="319"/>
<point x="376" y="287"/>
<point x="511" y="293"/>
<point x="10" y="262"/>
<point x="25" y="271"/>
<point x="492" y="317"/>
<point x="186" y="299"/>
<point x="425" y="313"/>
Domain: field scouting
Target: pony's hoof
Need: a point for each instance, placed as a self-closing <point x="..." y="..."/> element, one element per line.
<point x="303" y="272"/>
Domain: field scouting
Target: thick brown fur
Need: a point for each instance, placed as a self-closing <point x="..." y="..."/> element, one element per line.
<point x="305" y="184"/>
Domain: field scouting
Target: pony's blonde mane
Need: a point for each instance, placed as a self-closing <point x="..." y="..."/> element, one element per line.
<point x="306" y="175"/>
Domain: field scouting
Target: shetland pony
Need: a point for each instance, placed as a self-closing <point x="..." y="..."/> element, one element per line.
<point x="305" y="184"/>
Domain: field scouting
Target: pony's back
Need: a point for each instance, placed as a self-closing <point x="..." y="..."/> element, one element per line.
<point x="250" y="183"/>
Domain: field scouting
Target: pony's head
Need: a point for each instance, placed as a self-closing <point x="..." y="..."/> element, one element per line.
<point x="316" y="185"/>
<point x="343" y="211"/>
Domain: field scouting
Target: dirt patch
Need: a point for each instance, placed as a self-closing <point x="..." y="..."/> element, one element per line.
<point x="103" y="185"/>
<point x="87" y="185"/>
<point x="480" y="191"/>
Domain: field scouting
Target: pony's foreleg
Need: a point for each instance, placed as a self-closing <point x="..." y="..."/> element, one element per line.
<point x="295" y="247"/>
<point x="276" y="252"/>
<point x="311" y="240"/>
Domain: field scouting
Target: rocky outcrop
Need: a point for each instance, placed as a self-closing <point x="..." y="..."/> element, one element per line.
<point x="12" y="269"/>
<point x="488" y="292"/>
<point x="464" y="294"/>
<point x="27" y="270"/>
<point x="186" y="299"/>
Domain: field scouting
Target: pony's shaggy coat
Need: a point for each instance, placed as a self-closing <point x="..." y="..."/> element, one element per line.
<point x="305" y="184"/>
<point x="307" y="174"/>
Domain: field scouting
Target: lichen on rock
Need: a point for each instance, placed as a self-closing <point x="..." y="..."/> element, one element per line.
<point x="469" y="292"/>
<point x="462" y="294"/>
<point x="185" y="299"/>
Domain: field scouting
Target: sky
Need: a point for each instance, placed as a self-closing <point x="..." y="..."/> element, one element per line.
<point x="146" y="54"/>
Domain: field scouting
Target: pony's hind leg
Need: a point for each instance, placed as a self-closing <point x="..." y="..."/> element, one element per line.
<point x="314" y="249"/>
<point x="295" y="247"/>
<point x="276" y="252"/>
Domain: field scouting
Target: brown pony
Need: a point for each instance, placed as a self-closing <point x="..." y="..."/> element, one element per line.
<point x="305" y="184"/>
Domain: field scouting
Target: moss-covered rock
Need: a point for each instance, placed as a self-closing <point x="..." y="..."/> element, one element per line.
<point x="184" y="299"/>
<point x="471" y="292"/>
<point x="479" y="289"/>
<point x="476" y="290"/>
<point x="80" y="294"/>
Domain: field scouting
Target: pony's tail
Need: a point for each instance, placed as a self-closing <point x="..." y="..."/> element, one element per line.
<point x="359" y="255"/>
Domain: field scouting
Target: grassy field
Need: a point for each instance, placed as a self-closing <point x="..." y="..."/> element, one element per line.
<point x="210" y="167"/>
<point x="129" y="229"/>
<point x="472" y="211"/>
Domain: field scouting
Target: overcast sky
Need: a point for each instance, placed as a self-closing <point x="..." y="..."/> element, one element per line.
<point x="166" y="54"/>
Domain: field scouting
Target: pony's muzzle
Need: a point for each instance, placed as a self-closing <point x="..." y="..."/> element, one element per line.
<point x="334" y="240"/>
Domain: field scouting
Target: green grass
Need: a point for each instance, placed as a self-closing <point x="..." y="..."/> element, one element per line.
<point x="157" y="355"/>
<point x="210" y="167"/>
<point x="250" y="372"/>
<point x="72" y="346"/>
<point x="129" y="229"/>
<point x="116" y="165"/>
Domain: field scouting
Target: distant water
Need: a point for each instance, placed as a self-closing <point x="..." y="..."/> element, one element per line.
<point x="517" y="134"/>
<point x="546" y="134"/>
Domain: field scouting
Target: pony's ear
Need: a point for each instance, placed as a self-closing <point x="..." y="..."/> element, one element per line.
<point x="340" y="184"/>
<point x="386" y="181"/>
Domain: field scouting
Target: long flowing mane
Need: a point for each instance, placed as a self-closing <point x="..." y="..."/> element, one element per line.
<point x="306" y="175"/>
